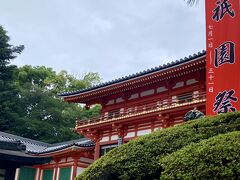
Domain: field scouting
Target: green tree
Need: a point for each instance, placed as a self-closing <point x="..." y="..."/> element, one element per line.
<point x="9" y="111"/>
<point x="29" y="105"/>
<point x="44" y="115"/>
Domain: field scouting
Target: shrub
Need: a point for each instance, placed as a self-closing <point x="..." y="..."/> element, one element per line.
<point x="215" y="158"/>
<point x="139" y="159"/>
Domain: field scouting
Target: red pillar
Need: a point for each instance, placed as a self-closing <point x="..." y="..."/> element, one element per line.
<point x="74" y="168"/>
<point x="97" y="150"/>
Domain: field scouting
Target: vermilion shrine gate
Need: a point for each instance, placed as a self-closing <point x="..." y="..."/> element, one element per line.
<point x="142" y="103"/>
<point x="157" y="98"/>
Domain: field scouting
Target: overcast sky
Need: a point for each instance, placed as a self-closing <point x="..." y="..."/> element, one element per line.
<point x="112" y="37"/>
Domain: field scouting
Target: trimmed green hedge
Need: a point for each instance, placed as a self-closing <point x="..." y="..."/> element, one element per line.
<point x="139" y="159"/>
<point x="215" y="158"/>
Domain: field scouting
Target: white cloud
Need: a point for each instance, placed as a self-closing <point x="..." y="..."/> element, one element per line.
<point x="100" y="25"/>
<point x="114" y="38"/>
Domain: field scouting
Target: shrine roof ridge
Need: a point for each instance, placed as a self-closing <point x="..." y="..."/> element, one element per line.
<point x="38" y="147"/>
<point x="11" y="137"/>
<point x="139" y="74"/>
<point x="83" y="142"/>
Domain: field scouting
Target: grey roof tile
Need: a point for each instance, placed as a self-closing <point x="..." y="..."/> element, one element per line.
<point x="38" y="147"/>
<point x="138" y="74"/>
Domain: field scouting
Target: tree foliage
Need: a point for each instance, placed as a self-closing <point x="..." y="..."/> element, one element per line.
<point x="8" y="90"/>
<point x="45" y="116"/>
<point x="29" y="105"/>
<point x="140" y="158"/>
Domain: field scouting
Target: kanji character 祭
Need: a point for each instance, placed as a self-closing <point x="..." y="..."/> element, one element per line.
<point x="223" y="103"/>
<point x="223" y="7"/>
<point x="225" y="53"/>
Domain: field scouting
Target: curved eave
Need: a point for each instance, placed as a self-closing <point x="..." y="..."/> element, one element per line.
<point x="80" y="95"/>
<point x="65" y="149"/>
<point x="21" y="158"/>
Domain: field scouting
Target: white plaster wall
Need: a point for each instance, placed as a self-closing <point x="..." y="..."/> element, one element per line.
<point x="63" y="160"/>
<point x="69" y="159"/>
<point x="52" y="162"/>
<point x="105" y="139"/>
<point x="114" y="137"/>
<point x="143" y="132"/>
<point x="130" y="134"/>
<point x="79" y="170"/>
<point x="87" y="160"/>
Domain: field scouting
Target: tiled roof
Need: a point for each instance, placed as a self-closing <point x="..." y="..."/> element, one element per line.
<point x="31" y="145"/>
<point x="139" y="74"/>
<point x="20" y="158"/>
<point x="38" y="147"/>
<point x="84" y="142"/>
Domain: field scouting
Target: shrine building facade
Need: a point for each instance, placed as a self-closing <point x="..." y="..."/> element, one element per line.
<point x="132" y="106"/>
<point x="43" y="161"/>
<point x="141" y="103"/>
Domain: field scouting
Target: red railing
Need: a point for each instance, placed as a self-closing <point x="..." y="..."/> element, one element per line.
<point x="168" y="103"/>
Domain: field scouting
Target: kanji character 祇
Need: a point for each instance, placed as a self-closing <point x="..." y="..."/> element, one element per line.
<point x="223" y="7"/>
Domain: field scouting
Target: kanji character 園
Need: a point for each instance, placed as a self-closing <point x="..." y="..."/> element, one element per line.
<point x="225" y="53"/>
